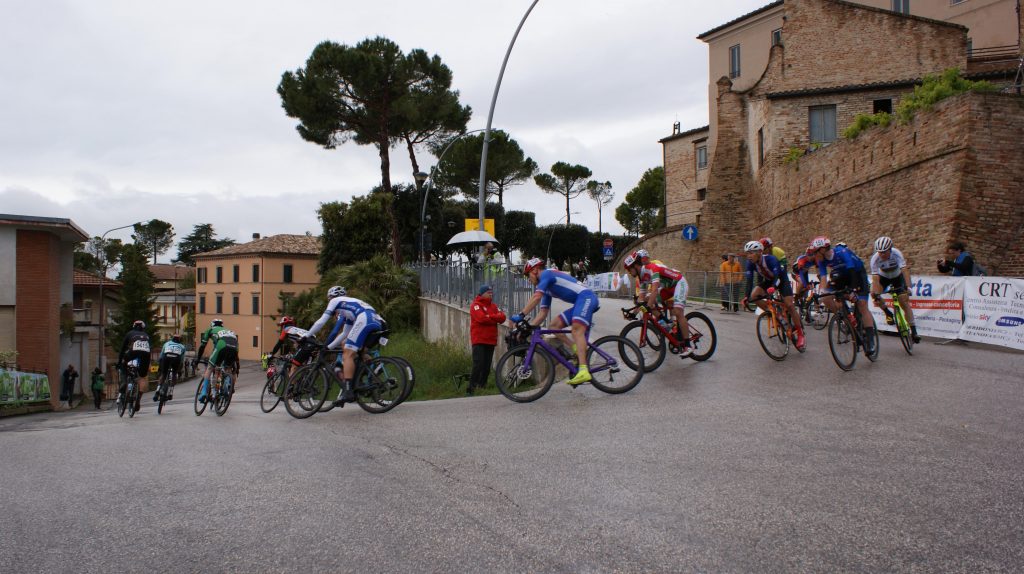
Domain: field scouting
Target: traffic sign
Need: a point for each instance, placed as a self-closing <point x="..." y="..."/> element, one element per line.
<point x="607" y="252"/>
<point x="690" y="232"/>
<point x="608" y="242"/>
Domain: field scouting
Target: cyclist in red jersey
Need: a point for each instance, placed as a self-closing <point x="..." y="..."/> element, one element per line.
<point x="660" y="282"/>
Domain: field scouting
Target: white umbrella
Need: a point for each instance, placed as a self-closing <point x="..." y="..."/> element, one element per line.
<point x="472" y="237"/>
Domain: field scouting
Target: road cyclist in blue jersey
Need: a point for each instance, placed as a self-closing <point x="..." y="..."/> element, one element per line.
<point x="840" y="268"/>
<point x="172" y="356"/>
<point x="553" y="284"/>
<point x="765" y="271"/>
<point x="356" y="321"/>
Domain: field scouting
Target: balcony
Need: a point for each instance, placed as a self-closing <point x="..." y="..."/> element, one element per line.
<point x="82" y="316"/>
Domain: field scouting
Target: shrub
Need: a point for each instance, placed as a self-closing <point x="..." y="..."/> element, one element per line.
<point x="793" y="154"/>
<point x="865" y="121"/>
<point x="935" y="88"/>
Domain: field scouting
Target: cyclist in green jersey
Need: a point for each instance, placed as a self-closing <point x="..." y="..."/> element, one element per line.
<point x="225" y="352"/>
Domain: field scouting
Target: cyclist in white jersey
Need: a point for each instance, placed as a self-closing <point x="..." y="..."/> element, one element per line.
<point x="889" y="271"/>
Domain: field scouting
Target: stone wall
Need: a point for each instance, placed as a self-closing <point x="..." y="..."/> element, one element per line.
<point x="683" y="181"/>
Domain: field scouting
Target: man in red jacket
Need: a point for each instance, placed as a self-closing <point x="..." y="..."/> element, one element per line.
<point x="484" y="318"/>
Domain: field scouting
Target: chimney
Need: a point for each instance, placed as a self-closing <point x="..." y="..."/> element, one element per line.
<point x="255" y="235"/>
<point x="675" y="128"/>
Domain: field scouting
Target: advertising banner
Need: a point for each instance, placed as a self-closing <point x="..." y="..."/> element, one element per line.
<point x="604" y="282"/>
<point x="20" y="387"/>
<point x="994" y="311"/>
<point x="937" y="303"/>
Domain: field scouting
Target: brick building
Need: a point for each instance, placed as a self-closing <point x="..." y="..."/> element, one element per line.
<point x="824" y="62"/>
<point x="244" y="284"/>
<point x="36" y="295"/>
<point x="171" y="302"/>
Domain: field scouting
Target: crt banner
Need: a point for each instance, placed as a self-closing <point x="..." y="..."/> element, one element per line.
<point x="937" y="303"/>
<point x="604" y="282"/>
<point x="994" y="311"/>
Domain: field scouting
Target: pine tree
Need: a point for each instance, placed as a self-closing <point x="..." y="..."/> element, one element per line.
<point x="136" y="296"/>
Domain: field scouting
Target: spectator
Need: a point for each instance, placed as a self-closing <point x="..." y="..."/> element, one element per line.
<point x="566" y="266"/>
<point x="724" y="284"/>
<point x="68" y="388"/>
<point x="489" y="256"/>
<point x="97" y="387"/>
<point x="484" y="318"/>
<point x="736" y="278"/>
<point x="958" y="260"/>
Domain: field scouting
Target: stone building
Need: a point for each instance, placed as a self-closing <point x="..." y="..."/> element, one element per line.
<point x="824" y="62"/>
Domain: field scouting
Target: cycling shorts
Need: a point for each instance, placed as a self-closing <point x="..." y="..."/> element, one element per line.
<point x="895" y="284"/>
<point x="854" y="279"/>
<point x="224" y="356"/>
<point x="170" y="363"/>
<point x="785" y="288"/>
<point x="366" y="323"/>
<point x="143" y="361"/>
<point x="583" y="310"/>
<point x="676" y="294"/>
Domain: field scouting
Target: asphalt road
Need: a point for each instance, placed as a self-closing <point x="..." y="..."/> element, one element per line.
<point x="740" y="464"/>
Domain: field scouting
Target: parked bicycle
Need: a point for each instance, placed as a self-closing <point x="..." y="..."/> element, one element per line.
<point x="131" y="393"/>
<point x="656" y="338"/>
<point x="774" y="329"/>
<point x="899" y="318"/>
<point x="222" y="388"/>
<point x="527" y="370"/>
<point x="846" y="334"/>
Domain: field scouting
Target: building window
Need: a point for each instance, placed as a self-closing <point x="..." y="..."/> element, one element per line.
<point x="234" y="304"/>
<point x="219" y="304"/>
<point x="734" y="61"/>
<point x="201" y="275"/>
<point x="202" y="304"/>
<point x="823" y="123"/>
<point x="702" y="157"/>
<point x="776" y="38"/>
<point x="255" y="304"/>
<point x="760" y="147"/>
<point x="970" y="47"/>
<point x="234" y="273"/>
<point x="256" y="340"/>
<point x="287" y="273"/>
<point x="883" y="106"/>
<point x="702" y="193"/>
<point x="901" y="6"/>
<point x="220" y="275"/>
<point x="256" y="273"/>
<point x="955" y="2"/>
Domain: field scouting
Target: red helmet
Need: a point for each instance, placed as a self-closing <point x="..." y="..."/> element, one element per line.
<point x="532" y="264"/>
<point x="286" y="320"/>
<point x="766" y="242"/>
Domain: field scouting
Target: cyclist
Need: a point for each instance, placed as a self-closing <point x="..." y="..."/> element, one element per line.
<point x="889" y="271"/>
<point x="357" y="320"/>
<point x="289" y="337"/>
<point x="134" y="348"/>
<point x="549" y="284"/>
<point x="172" y="354"/>
<point x="774" y="250"/>
<point x="802" y="281"/>
<point x="224" y="353"/>
<point x="839" y="267"/>
<point x="658" y="282"/>
<point x="767" y="271"/>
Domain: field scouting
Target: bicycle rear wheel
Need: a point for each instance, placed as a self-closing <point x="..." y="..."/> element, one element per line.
<point x="121" y="406"/>
<point x="271" y="395"/>
<point x="227" y="390"/>
<point x="133" y="393"/>
<point x="386" y="382"/>
<point x="651" y="343"/>
<point x="521" y="382"/>
<point x="842" y="342"/>
<point x="410" y="375"/>
<point x="904" y="329"/>
<point x="616" y="364"/>
<point x="772" y="337"/>
<point x="818" y="315"/>
<point x="307" y="391"/>
<point x="703" y="338"/>
<point x="197" y="406"/>
<point x="161" y="396"/>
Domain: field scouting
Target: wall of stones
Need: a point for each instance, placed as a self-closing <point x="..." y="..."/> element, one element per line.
<point x="682" y="178"/>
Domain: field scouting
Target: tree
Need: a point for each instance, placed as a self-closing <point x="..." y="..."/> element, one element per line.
<point x="565" y="242"/>
<point x="434" y="114"/>
<point x="155" y="237"/>
<point x="391" y="290"/>
<point x="136" y="296"/>
<point x="507" y="166"/>
<point x="643" y="210"/>
<point x="353" y="231"/>
<point x="566" y="180"/>
<point x="201" y="240"/>
<point x="370" y="94"/>
<point x="96" y="254"/>
<point x="602" y="194"/>
<point x="520" y="231"/>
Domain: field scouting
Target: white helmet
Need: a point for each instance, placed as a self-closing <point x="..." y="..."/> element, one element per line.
<point x="336" y="291"/>
<point x="753" y="246"/>
<point x="883" y="243"/>
<point x="641" y="253"/>
<point x="630" y="259"/>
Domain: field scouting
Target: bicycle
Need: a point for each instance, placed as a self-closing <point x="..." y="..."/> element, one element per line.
<point x="774" y="329"/>
<point x="221" y="390"/>
<point x="654" y="334"/>
<point x="846" y="333"/>
<point x="409" y="373"/>
<point x="526" y="371"/>
<point x="277" y="383"/>
<point x="816" y="313"/>
<point x="165" y="387"/>
<point x="131" y="392"/>
<point x="899" y="318"/>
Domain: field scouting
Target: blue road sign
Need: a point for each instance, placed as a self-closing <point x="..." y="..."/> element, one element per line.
<point x="607" y="252"/>
<point x="690" y="232"/>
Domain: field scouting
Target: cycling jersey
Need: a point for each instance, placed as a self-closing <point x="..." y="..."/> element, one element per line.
<point x="356" y="320"/>
<point x="767" y="272"/>
<point x="172" y="350"/>
<point x="225" y="345"/>
<point x="889" y="268"/>
<point x="289" y="333"/>
<point x="554" y="283"/>
<point x="845" y="269"/>
<point x="779" y="254"/>
<point x="672" y="287"/>
<point x="135" y="346"/>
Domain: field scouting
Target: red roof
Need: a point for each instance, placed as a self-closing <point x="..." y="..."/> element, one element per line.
<point x="166" y="272"/>
<point x="86" y="278"/>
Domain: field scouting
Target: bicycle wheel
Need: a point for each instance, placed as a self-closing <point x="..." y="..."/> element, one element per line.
<point x="772" y="337"/>
<point x="307" y="391"/>
<point x="616" y="364"/>
<point x="197" y="406"/>
<point x="120" y="407"/>
<point x="410" y="375"/>
<point x="227" y="390"/>
<point x="385" y="381"/>
<point x="904" y="329"/>
<point x="818" y="316"/>
<point x="133" y="393"/>
<point x="842" y="342"/>
<point x="521" y="382"/>
<point x="161" y="396"/>
<point x="873" y="355"/>
<point x="703" y="337"/>
<point x="270" y="397"/>
<point x="652" y="343"/>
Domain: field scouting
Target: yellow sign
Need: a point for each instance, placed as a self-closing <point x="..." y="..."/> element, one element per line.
<point x="474" y="224"/>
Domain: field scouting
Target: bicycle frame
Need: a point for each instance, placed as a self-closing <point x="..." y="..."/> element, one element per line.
<point x="536" y="339"/>
<point x="648" y="319"/>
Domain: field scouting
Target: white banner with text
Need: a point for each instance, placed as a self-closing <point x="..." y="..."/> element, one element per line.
<point x="994" y="311"/>
<point x="937" y="303"/>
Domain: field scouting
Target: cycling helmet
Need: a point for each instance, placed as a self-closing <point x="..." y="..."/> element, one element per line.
<point x="532" y="264"/>
<point x="630" y="260"/>
<point x="139" y="325"/>
<point x="766" y="242"/>
<point x="641" y="253"/>
<point x="883" y="243"/>
<point x="336" y="291"/>
<point x="176" y="338"/>
<point x="801" y="262"/>
<point x="820" y="242"/>
<point x="217" y="323"/>
<point x="286" y="320"/>
<point x="753" y="246"/>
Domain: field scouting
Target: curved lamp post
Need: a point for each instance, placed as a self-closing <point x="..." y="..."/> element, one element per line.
<point x="103" y="276"/>
<point x="429" y="179"/>
<point x="547" y="256"/>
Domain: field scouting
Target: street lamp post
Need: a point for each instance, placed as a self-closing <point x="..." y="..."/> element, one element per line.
<point x="429" y="179"/>
<point x="547" y="256"/>
<point x="103" y="276"/>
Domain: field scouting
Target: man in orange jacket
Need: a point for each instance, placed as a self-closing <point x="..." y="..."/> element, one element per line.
<point x="484" y="318"/>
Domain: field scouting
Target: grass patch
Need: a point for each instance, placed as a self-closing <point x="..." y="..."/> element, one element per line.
<point x="436" y="365"/>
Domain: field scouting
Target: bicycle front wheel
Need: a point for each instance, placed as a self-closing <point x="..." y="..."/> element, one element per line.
<point x="133" y="393"/>
<point x="524" y="382"/>
<point x="307" y="391"/>
<point x="651" y="343"/>
<point x="224" y="397"/>
<point x="703" y="338"/>
<point x="842" y="342"/>
<point x="771" y="337"/>
<point x="270" y="397"/>
<point x="197" y="406"/>
<point x="818" y="316"/>
<point x="410" y="376"/>
<point x="121" y="406"/>
<point x="384" y="380"/>
<point x="616" y="364"/>
<point x="904" y="329"/>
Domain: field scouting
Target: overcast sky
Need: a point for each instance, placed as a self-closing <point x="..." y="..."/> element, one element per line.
<point x="118" y="111"/>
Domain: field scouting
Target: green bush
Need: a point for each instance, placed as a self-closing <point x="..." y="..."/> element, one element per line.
<point x="793" y="154"/>
<point x="436" y="365"/>
<point x="865" y="121"/>
<point x="935" y="88"/>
